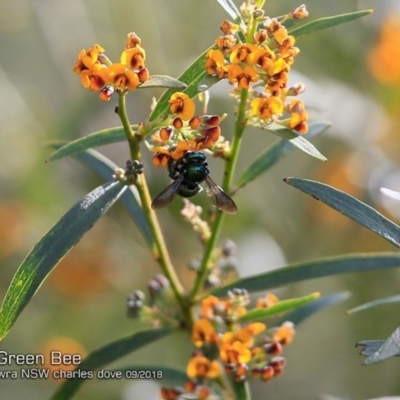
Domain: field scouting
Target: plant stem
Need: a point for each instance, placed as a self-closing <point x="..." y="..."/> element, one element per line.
<point x="159" y="248"/>
<point x="241" y="390"/>
<point x="230" y="166"/>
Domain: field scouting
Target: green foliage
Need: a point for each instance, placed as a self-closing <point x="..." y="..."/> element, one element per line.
<point x="388" y="349"/>
<point x="313" y="269"/>
<point x="296" y="140"/>
<point x="371" y="347"/>
<point x="375" y="303"/>
<point x="351" y="207"/>
<point x="134" y="194"/>
<point x="130" y="198"/>
<point x="230" y="7"/>
<point x="300" y="314"/>
<point x="106" y="355"/>
<point x="163" y="81"/>
<point x="328" y="22"/>
<point x="279" y="308"/>
<point x="50" y="250"/>
<point x="96" y="139"/>
<point x="268" y="158"/>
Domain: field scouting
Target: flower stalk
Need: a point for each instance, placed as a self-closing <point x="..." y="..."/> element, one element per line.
<point x="230" y="166"/>
<point x="159" y="249"/>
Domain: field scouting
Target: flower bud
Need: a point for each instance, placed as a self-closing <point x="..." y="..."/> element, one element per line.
<point x="299" y="12"/>
<point x="210" y="120"/>
<point x="296" y="89"/>
<point x="213" y="133"/>
<point x="177" y="123"/>
<point x="267" y="373"/>
<point x="162" y="280"/>
<point x="229" y="368"/>
<point x="273" y="348"/>
<point x="106" y="93"/>
<point x="165" y="133"/>
<point x="277" y="363"/>
<point x="241" y="371"/>
<point x="229" y="248"/>
<point x="194" y="123"/>
<point x="132" y="40"/>
<point x="256" y="372"/>
<point x="143" y="75"/>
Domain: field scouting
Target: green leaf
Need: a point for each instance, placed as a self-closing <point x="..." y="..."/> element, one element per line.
<point x="107" y="354"/>
<point x="351" y="207"/>
<point x="273" y="154"/>
<point x="313" y="269"/>
<point x="375" y="303"/>
<point x="389" y="348"/>
<point x="95" y="139"/>
<point x="327" y="22"/>
<point x="170" y="376"/>
<point x="282" y="307"/>
<point x="191" y="77"/>
<point x="230" y="7"/>
<point x="162" y="81"/>
<point x="371" y="346"/>
<point x="296" y="140"/>
<point x="299" y="315"/>
<point x="49" y="251"/>
<point x="130" y="198"/>
<point x="207" y="82"/>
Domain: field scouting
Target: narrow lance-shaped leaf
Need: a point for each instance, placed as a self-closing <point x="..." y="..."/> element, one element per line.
<point x="375" y="303"/>
<point x="278" y="308"/>
<point x="230" y="7"/>
<point x="355" y="209"/>
<point x="300" y="314"/>
<point x="327" y="22"/>
<point x="162" y="81"/>
<point x="130" y="198"/>
<point x="370" y="347"/>
<point x="49" y="251"/>
<point x="96" y="139"/>
<point x="273" y="154"/>
<point x="207" y="82"/>
<point x="106" y="355"/>
<point x="296" y="140"/>
<point x="390" y="348"/>
<point x="313" y="269"/>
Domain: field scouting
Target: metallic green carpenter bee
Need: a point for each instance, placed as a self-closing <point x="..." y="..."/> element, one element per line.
<point x="187" y="173"/>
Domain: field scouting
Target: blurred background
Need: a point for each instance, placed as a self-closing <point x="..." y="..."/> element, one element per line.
<point x="352" y="75"/>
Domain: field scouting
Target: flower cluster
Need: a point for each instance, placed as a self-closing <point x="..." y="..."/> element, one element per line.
<point x="184" y="131"/>
<point x="261" y="62"/>
<point x="192" y="214"/>
<point x="156" y="308"/>
<point x="98" y="73"/>
<point x="244" y="350"/>
<point x="222" y="265"/>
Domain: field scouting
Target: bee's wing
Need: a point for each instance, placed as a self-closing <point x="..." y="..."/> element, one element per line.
<point x="219" y="198"/>
<point x="166" y="197"/>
